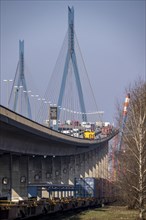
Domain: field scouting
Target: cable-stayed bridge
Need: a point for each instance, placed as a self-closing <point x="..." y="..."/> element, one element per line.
<point x="69" y="87"/>
<point x="33" y="148"/>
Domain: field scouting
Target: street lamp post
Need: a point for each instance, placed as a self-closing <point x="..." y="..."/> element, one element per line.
<point x="8" y="81"/>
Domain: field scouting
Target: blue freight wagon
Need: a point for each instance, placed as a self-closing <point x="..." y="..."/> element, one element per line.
<point x="86" y="187"/>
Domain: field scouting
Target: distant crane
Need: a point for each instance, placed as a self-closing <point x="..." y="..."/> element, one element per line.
<point x="117" y="144"/>
<point x="125" y="111"/>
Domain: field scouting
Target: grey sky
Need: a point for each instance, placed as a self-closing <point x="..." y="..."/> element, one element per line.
<point x="111" y="35"/>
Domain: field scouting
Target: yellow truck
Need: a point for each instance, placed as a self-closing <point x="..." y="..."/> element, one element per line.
<point x="89" y="135"/>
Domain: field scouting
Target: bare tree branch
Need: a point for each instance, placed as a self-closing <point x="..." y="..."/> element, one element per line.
<point x="132" y="176"/>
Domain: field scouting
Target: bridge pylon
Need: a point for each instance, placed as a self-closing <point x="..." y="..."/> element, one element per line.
<point x="19" y="85"/>
<point x="71" y="57"/>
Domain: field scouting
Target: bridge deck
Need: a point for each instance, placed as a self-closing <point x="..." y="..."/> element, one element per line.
<point x="13" y="123"/>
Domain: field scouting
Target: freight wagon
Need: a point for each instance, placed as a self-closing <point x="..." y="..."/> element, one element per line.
<point x="99" y="188"/>
<point x="88" y="192"/>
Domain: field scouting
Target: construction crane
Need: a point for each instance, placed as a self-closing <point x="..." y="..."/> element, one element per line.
<point x="117" y="142"/>
<point x="124" y="117"/>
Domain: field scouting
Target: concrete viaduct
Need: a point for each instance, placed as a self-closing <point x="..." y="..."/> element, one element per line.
<point x="32" y="154"/>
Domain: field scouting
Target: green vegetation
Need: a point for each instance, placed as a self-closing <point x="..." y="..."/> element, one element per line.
<point x="105" y="213"/>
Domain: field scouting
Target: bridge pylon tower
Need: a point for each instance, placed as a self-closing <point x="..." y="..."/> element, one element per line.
<point x="20" y="82"/>
<point x="71" y="57"/>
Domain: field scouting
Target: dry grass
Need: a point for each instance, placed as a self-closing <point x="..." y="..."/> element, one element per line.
<point x="106" y="213"/>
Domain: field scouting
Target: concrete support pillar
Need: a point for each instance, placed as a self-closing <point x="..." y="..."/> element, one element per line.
<point x="19" y="176"/>
<point x="82" y="165"/>
<point x="47" y="172"/>
<point x="97" y="163"/>
<point x="5" y="175"/>
<point x="71" y="170"/>
<point x="106" y="164"/>
<point x="35" y="169"/>
<point x="86" y="156"/>
<point x="44" y="168"/>
<point x="90" y="162"/>
<point x="100" y="164"/>
<point x="77" y="165"/>
<point x="65" y="169"/>
<point x="94" y="163"/>
<point x="56" y="163"/>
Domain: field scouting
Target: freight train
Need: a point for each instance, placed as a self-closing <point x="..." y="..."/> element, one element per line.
<point x="33" y="208"/>
<point x="88" y="192"/>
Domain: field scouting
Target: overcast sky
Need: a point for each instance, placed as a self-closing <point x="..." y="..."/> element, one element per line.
<point x="111" y="35"/>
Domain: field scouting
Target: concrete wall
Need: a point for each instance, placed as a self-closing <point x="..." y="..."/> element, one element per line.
<point x="5" y="175"/>
<point x="31" y="154"/>
<point x="22" y="170"/>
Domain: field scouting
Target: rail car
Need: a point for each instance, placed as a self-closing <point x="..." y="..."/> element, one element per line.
<point x="27" y="209"/>
<point x="88" y="192"/>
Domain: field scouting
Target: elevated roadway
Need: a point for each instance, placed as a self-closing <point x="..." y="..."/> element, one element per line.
<point x="24" y="136"/>
<point x="33" y="157"/>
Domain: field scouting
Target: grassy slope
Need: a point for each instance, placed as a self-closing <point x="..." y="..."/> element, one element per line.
<point x="106" y="213"/>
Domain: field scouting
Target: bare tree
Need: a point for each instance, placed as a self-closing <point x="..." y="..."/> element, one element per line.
<point x="132" y="158"/>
